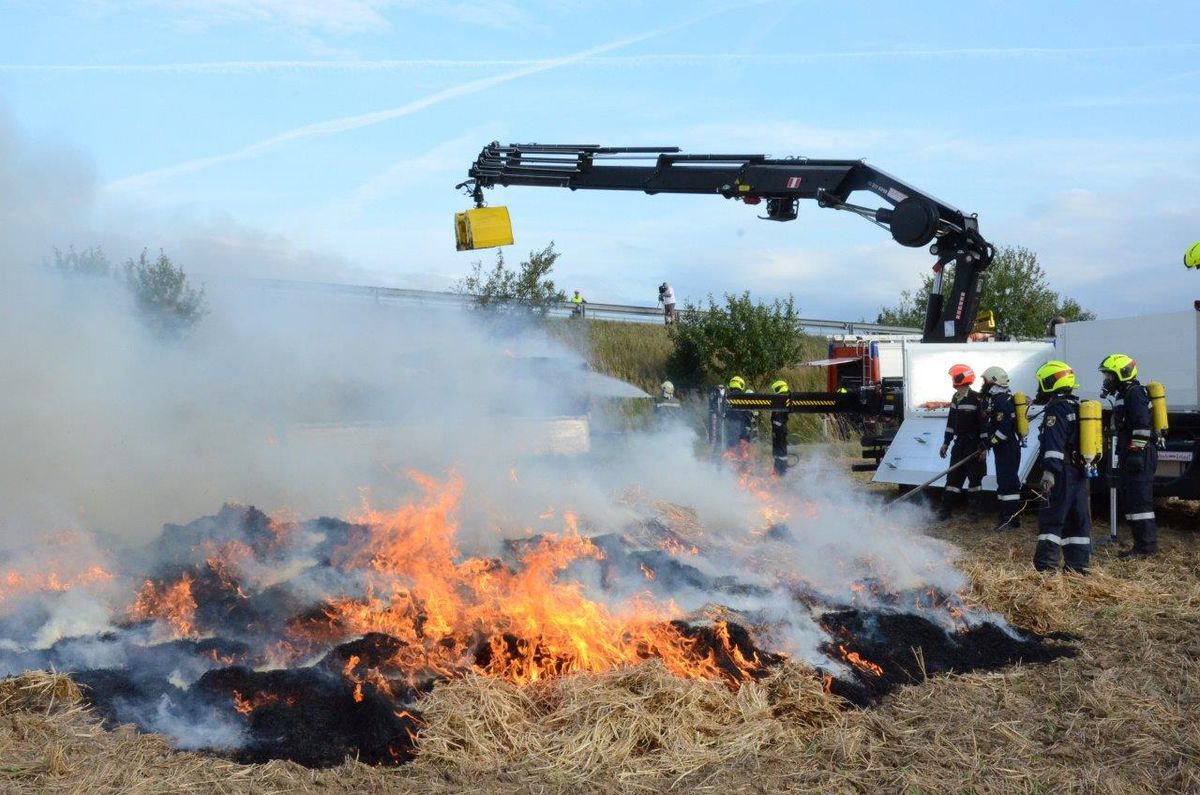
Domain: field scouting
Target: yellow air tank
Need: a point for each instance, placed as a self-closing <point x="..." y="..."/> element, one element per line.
<point x="1021" y="405"/>
<point x="1158" y="407"/>
<point x="482" y="227"/>
<point x="1091" y="433"/>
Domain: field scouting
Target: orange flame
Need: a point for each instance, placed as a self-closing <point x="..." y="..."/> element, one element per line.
<point x="438" y="603"/>
<point x="857" y="661"/>
<point x="173" y="604"/>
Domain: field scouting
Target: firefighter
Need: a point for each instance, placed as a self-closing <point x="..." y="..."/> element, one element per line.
<point x="666" y="408"/>
<point x="999" y="434"/>
<point x="1064" y="522"/>
<point x="779" y="430"/>
<point x="737" y="421"/>
<point x="1136" y="451"/>
<point x="578" y="304"/>
<point x="962" y="428"/>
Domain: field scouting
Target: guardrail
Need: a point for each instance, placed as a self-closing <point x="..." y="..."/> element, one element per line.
<point x="594" y="311"/>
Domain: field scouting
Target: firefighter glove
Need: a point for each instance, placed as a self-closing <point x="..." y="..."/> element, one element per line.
<point x="942" y="452"/>
<point x="1047" y="483"/>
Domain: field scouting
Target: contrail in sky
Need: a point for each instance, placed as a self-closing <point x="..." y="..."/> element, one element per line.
<point x="679" y="60"/>
<point x="346" y="123"/>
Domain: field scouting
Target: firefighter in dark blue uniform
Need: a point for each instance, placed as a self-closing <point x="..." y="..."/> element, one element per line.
<point x="962" y="429"/>
<point x="1000" y="436"/>
<point x="1064" y="523"/>
<point x="779" y="430"/>
<point x="737" y="421"/>
<point x="1137" y="453"/>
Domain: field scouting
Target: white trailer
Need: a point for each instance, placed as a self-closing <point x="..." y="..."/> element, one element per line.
<point x="1167" y="349"/>
<point x="1165" y="346"/>
<point x="912" y="457"/>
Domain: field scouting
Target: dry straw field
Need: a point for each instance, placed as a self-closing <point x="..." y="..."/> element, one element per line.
<point x="1120" y="717"/>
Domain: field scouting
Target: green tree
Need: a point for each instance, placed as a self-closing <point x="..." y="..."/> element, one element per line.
<point x="529" y="289"/>
<point x="1014" y="288"/>
<point x="743" y="337"/>
<point x="89" y="262"/>
<point x="162" y="294"/>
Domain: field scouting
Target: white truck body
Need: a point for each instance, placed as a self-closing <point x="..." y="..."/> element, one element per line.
<point x="912" y="458"/>
<point x="1166" y="348"/>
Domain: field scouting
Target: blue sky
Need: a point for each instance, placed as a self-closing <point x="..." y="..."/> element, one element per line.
<point x="322" y="140"/>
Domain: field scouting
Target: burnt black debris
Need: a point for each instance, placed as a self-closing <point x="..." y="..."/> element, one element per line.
<point x="311" y="717"/>
<point x="909" y="647"/>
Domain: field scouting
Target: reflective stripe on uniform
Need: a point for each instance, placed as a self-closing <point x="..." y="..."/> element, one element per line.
<point x="1053" y="539"/>
<point x="1008" y="497"/>
<point x="1054" y="454"/>
<point x="967" y="408"/>
<point x="1071" y="417"/>
<point x="975" y="488"/>
<point x="1000" y="435"/>
<point x="1076" y="540"/>
<point x="1137" y="517"/>
<point x="1145" y="433"/>
<point x="954" y="489"/>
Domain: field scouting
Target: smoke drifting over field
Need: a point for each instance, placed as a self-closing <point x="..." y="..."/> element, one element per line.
<point x="479" y="549"/>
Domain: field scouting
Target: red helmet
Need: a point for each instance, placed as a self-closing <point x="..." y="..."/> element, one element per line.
<point x="962" y="375"/>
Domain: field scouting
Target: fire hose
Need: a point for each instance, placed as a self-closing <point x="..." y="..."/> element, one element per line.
<point x="929" y="482"/>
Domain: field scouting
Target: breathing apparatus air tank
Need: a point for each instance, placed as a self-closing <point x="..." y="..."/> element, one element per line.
<point x="1158" y="407"/>
<point x="1091" y="434"/>
<point x="1021" y="407"/>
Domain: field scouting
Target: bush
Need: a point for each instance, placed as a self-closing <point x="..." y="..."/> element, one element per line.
<point x="162" y="294"/>
<point x="529" y="289"/>
<point x="89" y="262"/>
<point x="754" y="340"/>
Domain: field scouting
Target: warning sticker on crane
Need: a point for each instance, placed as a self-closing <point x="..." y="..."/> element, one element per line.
<point x="794" y="182"/>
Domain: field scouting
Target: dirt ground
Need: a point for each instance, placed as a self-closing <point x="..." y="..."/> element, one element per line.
<point x="1123" y="716"/>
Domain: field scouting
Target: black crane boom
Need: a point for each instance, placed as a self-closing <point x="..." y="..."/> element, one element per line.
<point x="914" y="218"/>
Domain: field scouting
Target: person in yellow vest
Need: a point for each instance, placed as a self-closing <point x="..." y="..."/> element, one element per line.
<point x="580" y="304"/>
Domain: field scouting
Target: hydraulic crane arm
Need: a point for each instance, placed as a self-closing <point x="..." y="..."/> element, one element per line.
<point x="914" y="219"/>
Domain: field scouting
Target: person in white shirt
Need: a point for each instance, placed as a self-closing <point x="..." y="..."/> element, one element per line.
<point x="666" y="297"/>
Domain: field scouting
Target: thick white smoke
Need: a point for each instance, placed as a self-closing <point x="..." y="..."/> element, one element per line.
<point x="307" y="403"/>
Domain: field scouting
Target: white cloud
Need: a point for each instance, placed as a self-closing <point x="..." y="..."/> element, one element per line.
<point x="1118" y="252"/>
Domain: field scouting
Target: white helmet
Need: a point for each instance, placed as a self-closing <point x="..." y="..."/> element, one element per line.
<point x="668" y="390"/>
<point x="996" y="375"/>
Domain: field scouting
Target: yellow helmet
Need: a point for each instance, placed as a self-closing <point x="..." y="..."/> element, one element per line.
<point x="1191" y="257"/>
<point x="780" y="386"/>
<point x="1120" y="365"/>
<point x="1054" y="376"/>
<point x="737" y="382"/>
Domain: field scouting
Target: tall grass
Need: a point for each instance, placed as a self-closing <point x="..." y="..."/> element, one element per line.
<point x="633" y="352"/>
<point x="638" y="353"/>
